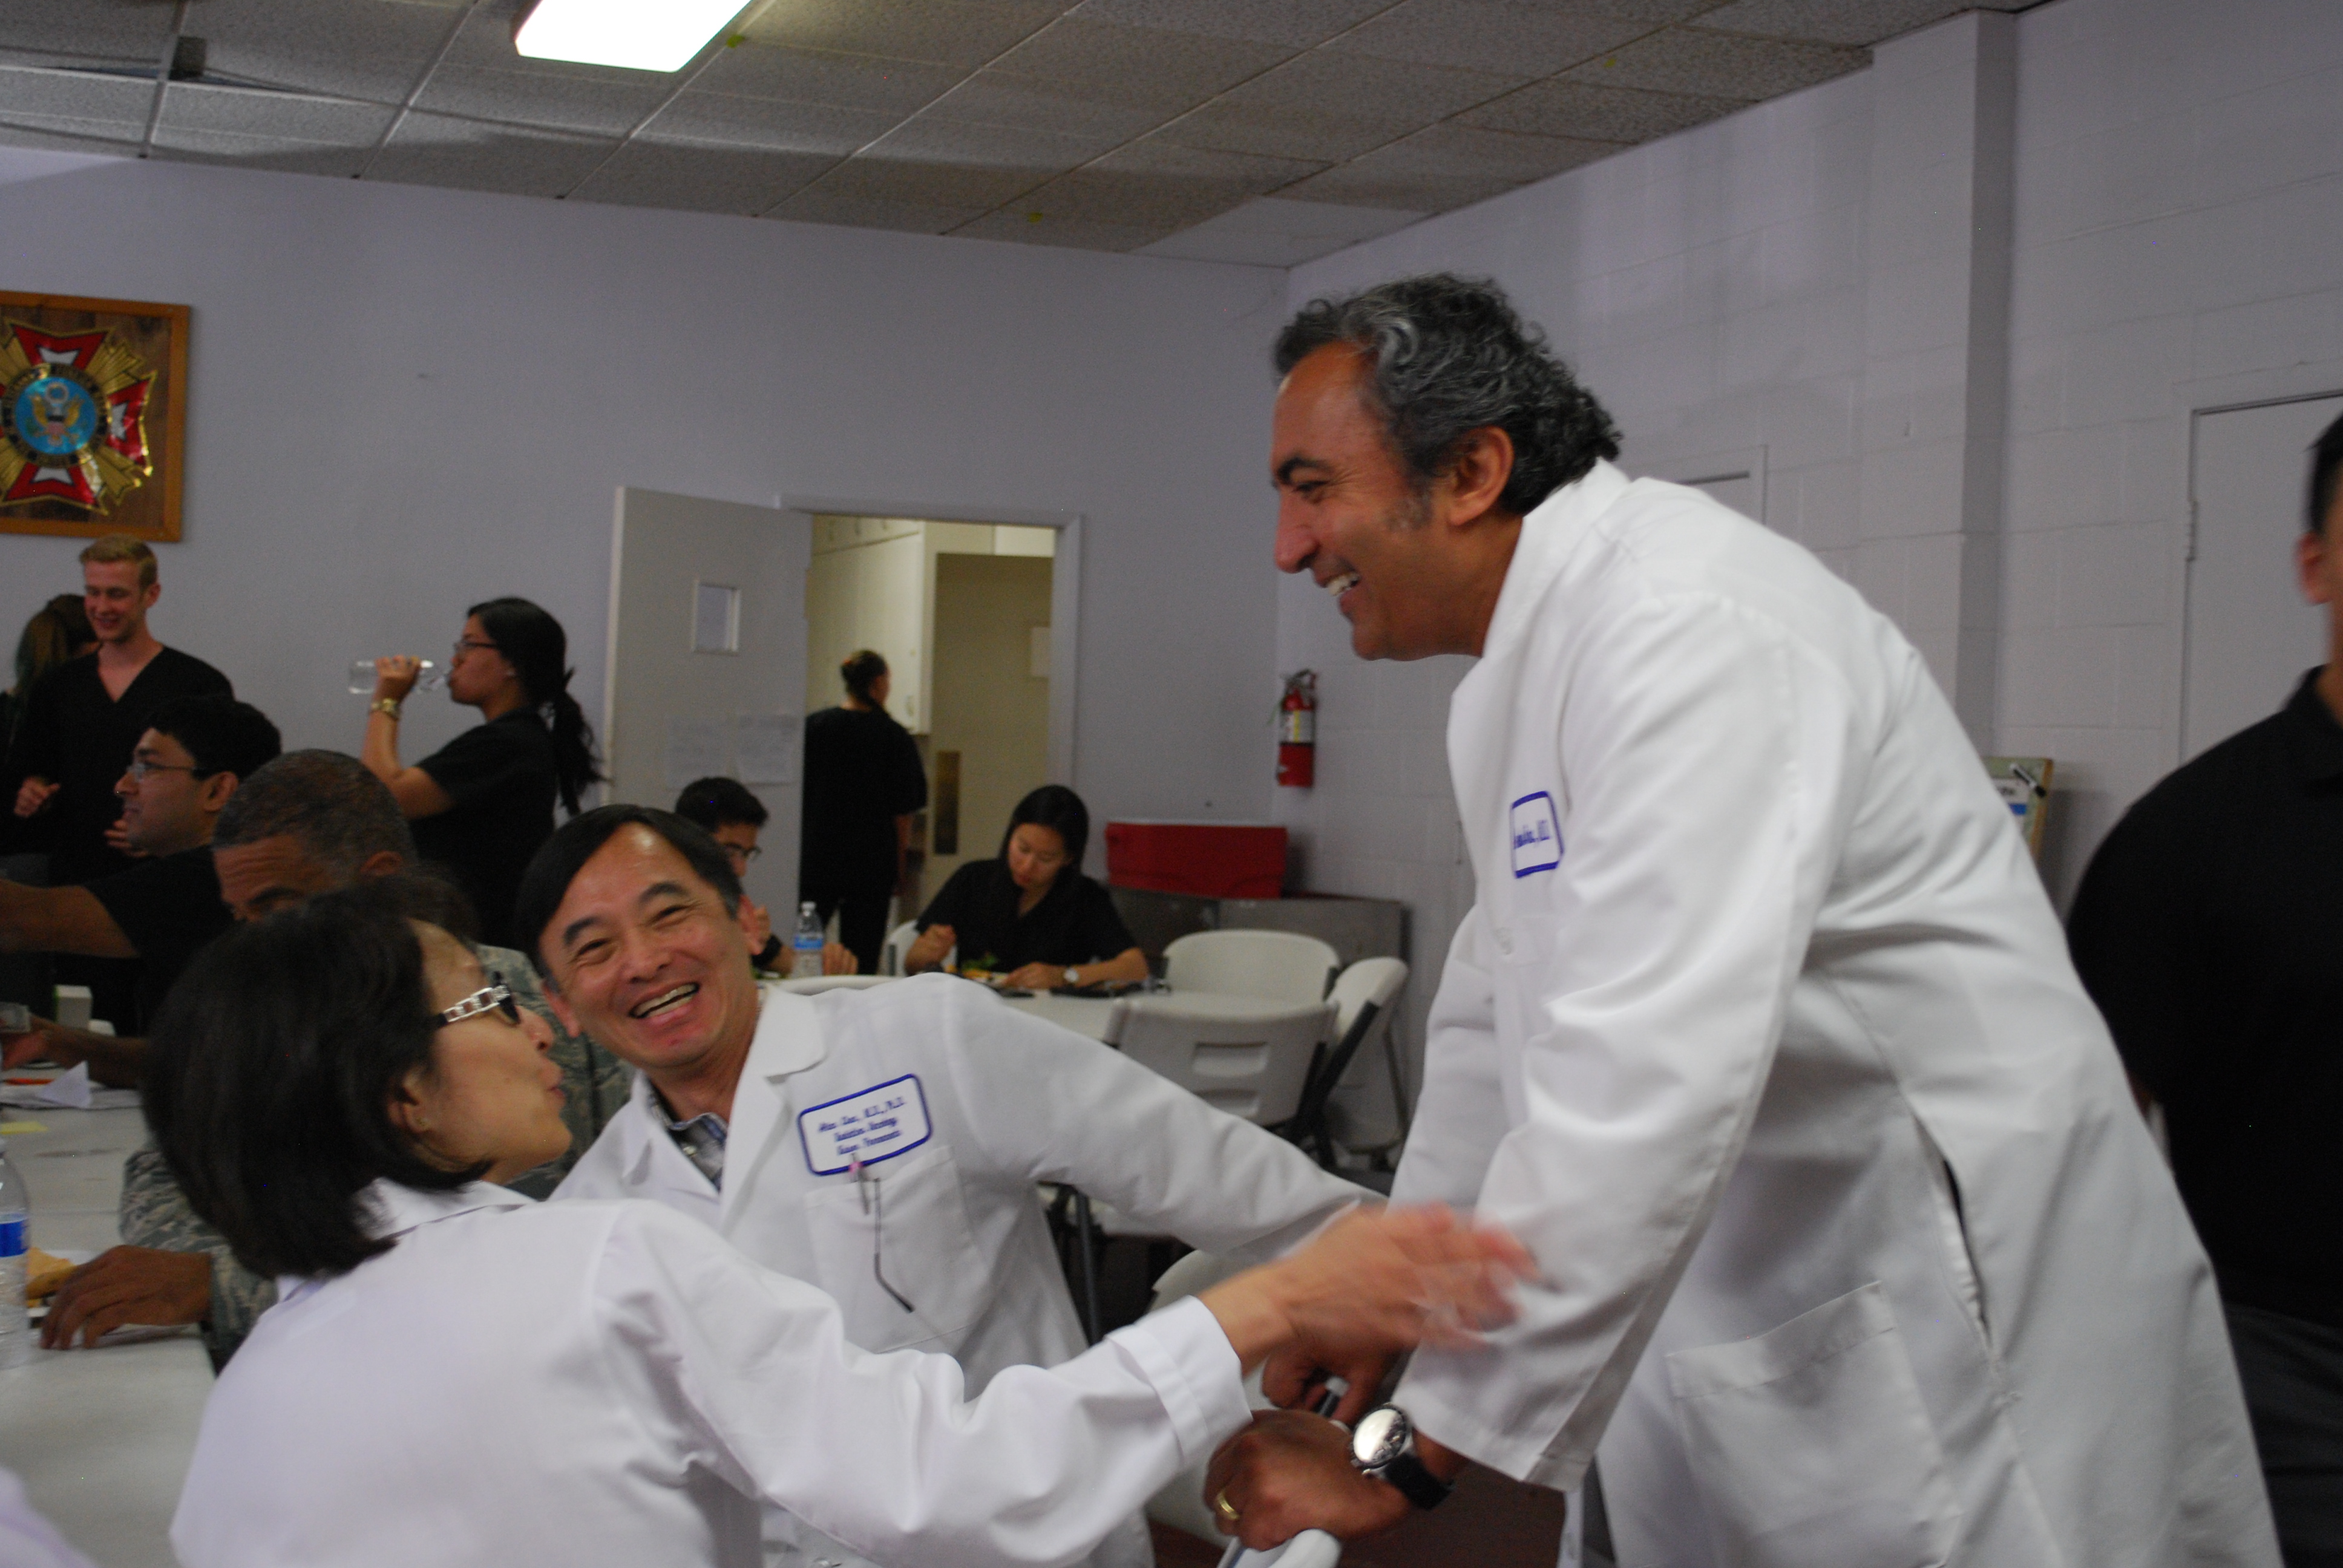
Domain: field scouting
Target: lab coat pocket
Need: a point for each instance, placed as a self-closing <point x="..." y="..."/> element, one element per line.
<point x="896" y="1251"/>
<point x="1810" y="1446"/>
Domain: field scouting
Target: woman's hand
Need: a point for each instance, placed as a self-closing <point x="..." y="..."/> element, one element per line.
<point x="1376" y="1282"/>
<point x="1038" y="977"/>
<point x="929" y="951"/>
<point x="395" y="676"/>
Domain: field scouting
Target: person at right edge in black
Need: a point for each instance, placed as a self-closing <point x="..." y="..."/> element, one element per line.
<point x="481" y="804"/>
<point x="2210" y="930"/>
<point x="863" y="781"/>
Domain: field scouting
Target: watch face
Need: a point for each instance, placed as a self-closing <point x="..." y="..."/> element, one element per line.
<point x="1379" y="1438"/>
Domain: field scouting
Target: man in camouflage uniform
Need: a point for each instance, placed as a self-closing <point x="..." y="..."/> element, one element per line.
<point x="308" y="823"/>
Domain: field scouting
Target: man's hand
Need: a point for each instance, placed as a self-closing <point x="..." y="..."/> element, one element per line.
<point x="838" y="958"/>
<point x="1293" y="1378"/>
<point x="118" y="838"/>
<point x="129" y="1285"/>
<point x="929" y="950"/>
<point x="33" y="796"/>
<point x="32" y="1045"/>
<point x="1288" y="1472"/>
<point x="757" y="921"/>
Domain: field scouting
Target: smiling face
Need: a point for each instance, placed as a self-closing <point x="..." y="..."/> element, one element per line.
<point x="492" y="1093"/>
<point x="649" y="962"/>
<point x="171" y="809"/>
<point x="1414" y="571"/>
<point x="114" y="600"/>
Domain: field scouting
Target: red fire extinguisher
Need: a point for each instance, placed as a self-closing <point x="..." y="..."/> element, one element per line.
<point x="1297" y="731"/>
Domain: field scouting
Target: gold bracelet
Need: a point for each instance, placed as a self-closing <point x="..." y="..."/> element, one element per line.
<point x="385" y="706"/>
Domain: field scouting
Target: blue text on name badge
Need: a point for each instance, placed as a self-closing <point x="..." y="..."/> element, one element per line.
<point x="1537" y="836"/>
<point x="865" y="1127"/>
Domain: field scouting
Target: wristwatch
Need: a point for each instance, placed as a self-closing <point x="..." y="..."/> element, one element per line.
<point x="385" y="706"/>
<point x="1073" y="976"/>
<point x="1383" y="1445"/>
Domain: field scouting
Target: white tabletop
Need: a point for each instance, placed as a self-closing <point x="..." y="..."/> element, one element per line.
<point x="101" y="1438"/>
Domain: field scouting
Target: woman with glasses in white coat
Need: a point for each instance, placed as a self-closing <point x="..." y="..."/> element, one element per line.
<point x="455" y="1375"/>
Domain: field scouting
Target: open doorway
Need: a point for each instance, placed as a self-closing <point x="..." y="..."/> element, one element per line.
<point x="962" y="613"/>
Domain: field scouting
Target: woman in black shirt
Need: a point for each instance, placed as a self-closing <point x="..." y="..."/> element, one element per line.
<point x="1031" y="915"/>
<point x="483" y="802"/>
<point x="862" y="783"/>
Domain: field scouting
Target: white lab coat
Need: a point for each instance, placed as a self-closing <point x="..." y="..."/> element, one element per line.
<point x="1009" y="1101"/>
<point x="1764" y="1037"/>
<point x="586" y="1385"/>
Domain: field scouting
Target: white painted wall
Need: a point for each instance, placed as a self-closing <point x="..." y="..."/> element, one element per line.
<point x="406" y="399"/>
<point x="1959" y="306"/>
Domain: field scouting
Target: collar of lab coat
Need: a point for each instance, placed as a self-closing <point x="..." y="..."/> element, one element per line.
<point x="788" y="1039"/>
<point x="391" y="1209"/>
<point x="1549" y="532"/>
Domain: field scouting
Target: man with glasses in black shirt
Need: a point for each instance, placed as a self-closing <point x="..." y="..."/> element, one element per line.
<point x="183" y="771"/>
<point x="2210" y="930"/>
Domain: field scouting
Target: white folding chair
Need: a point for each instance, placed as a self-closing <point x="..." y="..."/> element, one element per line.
<point x="1276" y="966"/>
<point x="1341" y="1105"/>
<point x="1250" y="1064"/>
<point x="898" y="942"/>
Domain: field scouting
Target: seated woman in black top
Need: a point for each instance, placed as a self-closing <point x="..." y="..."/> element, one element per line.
<point x="1031" y="915"/>
<point x="482" y="803"/>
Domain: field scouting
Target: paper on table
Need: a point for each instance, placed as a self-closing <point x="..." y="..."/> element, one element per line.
<point x="768" y="747"/>
<point x="70" y="1090"/>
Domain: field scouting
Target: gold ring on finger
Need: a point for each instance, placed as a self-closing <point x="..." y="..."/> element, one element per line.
<point x="1225" y="1508"/>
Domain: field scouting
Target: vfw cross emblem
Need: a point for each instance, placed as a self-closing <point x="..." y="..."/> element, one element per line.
<point x="73" y="418"/>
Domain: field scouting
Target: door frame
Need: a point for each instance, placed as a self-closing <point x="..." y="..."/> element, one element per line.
<point x="1065" y="591"/>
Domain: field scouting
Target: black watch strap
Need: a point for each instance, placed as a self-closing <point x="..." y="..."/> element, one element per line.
<point x="1414" y="1479"/>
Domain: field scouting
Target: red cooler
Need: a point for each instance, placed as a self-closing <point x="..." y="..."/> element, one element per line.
<point x="1202" y="859"/>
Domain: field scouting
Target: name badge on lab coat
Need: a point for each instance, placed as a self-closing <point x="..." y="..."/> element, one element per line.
<point x="1537" y="837"/>
<point x="865" y="1127"/>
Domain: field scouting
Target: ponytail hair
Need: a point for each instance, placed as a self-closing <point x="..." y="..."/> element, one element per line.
<point x="535" y="645"/>
<point x="859" y="670"/>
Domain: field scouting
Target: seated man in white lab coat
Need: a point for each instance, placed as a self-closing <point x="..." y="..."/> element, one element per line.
<point x="882" y="1143"/>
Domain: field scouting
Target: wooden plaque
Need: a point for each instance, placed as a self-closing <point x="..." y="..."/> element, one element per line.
<point x="93" y="416"/>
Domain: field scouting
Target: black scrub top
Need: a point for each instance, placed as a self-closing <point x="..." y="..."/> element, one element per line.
<point x="168" y="907"/>
<point x="862" y="772"/>
<point x="1074" y="923"/>
<point x="501" y="777"/>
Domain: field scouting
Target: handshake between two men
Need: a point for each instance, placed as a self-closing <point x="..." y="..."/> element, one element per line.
<point x="1360" y="1469"/>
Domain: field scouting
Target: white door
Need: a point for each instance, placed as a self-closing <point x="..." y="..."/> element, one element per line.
<point x="708" y="647"/>
<point x="2250" y="634"/>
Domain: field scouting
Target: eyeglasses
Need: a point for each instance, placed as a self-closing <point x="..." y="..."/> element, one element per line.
<point x="494" y="997"/>
<point x="141" y="769"/>
<point x="740" y="857"/>
<point x="465" y="644"/>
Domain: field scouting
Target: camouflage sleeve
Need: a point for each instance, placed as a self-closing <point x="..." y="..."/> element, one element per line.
<point x="155" y="1213"/>
<point x="595" y="1081"/>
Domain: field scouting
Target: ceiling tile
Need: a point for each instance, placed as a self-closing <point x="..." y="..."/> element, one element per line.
<point x="1281" y="133"/>
<point x="1329" y="82"/>
<point x="1832" y="21"/>
<point x="431" y="150"/>
<point x="1590" y="113"/>
<point x="942" y="32"/>
<point x="820" y="203"/>
<point x="78" y="30"/>
<point x="74" y="96"/>
<point x="276" y="116"/>
<point x="1271" y="231"/>
<point x="1141" y="65"/>
<point x="768" y="125"/>
<point x="1296" y="22"/>
<point x="696" y="178"/>
<point x="818" y="76"/>
<point x="999" y="98"/>
<point x="1653" y="11"/>
<point x="1160" y="185"/>
<point x="1719" y="65"/>
<point x="64" y="134"/>
<point x="1498" y="35"/>
<point x="371" y="49"/>
<point x="1446" y="167"/>
<point x="283" y="153"/>
<point x="934" y="163"/>
<point x="609" y="105"/>
<point x="1023" y="228"/>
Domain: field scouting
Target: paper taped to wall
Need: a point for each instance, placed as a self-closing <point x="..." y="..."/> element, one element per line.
<point x="768" y="744"/>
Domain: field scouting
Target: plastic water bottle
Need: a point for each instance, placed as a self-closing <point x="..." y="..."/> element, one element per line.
<point x="16" y="1236"/>
<point x="805" y="962"/>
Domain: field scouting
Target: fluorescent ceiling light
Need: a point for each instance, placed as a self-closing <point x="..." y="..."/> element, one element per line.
<point x="640" y="35"/>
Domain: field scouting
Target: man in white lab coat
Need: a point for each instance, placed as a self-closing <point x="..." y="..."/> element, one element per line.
<point x="881" y="1143"/>
<point x="1762" y="1034"/>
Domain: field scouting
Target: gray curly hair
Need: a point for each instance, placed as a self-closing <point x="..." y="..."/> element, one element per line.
<point x="1447" y="355"/>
